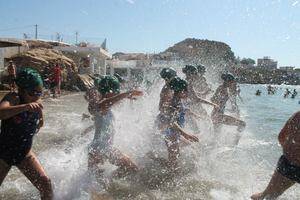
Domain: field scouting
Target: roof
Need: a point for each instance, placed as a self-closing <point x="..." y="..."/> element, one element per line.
<point x="11" y="42"/>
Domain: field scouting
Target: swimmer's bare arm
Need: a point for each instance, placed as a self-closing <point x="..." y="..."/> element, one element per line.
<point x="194" y="114"/>
<point x="106" y="103"/>
<point x="202" y="100"/>
<point x="189" y="137"/>
<point x="9" y="107"/>
<point x="292" y="127"/>
<point x="87" y="130"/>
<point x="41" y="120"/>
<point x="164" y="99"/>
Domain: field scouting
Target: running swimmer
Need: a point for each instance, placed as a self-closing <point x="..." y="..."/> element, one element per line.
<point x="202" y="87"/>
<point x="21" y="118"/>
<point x="101" y="148"/>
<point x="172" y="122"/>
<point x="287" y="172"/>
<point x="166" y="93"/>
<point x="220" y="98"/>
<point x="234" y="92"/>
<point x="194" y="101"/>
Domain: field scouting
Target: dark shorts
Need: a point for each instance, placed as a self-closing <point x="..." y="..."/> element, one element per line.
<point x="288" y="169"/>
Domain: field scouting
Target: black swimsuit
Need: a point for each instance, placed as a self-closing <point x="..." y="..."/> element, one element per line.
<point x="288" y="169"/>
<point x="16" y="136"/>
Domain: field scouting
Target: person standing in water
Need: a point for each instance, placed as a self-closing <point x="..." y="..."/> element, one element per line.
<point x="287" y="172"/>
<point x="101" y="148"/>
<point x="220" y="98"/>
<point x="287" y="93"/>
<point x="21" y="118"/>
<point x="258" y="93"/>
<point x="172" y="122"/>
<point x="294" y="94"/>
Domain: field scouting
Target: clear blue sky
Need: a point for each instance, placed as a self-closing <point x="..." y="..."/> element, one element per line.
<point x="253" y="28"/>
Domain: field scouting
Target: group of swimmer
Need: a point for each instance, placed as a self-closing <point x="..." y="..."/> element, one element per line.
<point x="272" y="90"/>
<point x="22" y="117"/>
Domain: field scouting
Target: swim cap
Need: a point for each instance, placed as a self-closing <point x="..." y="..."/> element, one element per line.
<point x="29" y="79"/>
<point x="178" y="85"/>
<point x="97" y="81"/>
<point x="109" y="84"/>
<point x="120" y="78"/>
<point x="201" y="68"/>
<point x="168" y="73"/>
<point x="227" y="77"/>
<point x="189" y="69"/>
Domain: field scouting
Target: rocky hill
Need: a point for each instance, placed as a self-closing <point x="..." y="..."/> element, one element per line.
<point x="217" y="55"/>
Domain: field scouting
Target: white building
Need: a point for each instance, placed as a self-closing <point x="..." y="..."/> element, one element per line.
<point x="95" y="56"/>
<point x="8" y="48"/>
<point x="267" y="63"/>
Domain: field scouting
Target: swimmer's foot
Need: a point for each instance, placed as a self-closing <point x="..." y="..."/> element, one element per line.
<point x="257" y="196"/>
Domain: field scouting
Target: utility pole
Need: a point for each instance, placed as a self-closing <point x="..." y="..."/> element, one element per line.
<point x="36" y="31"/>
<point x="76" y="34"/>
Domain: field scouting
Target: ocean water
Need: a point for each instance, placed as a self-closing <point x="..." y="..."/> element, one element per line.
<point x="221" y="171"/>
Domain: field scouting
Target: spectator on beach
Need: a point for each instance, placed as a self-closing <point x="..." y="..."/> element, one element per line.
<point x="56" y="80"/>
<point x="11" y="69"/>
<point x="46" y="77"/>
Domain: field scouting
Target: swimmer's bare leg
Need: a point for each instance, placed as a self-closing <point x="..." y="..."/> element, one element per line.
<point x="125" y="164"/>
<point x="229" y="120"/>
<point x="278" y="184"/>
<point x="94" y="159"/>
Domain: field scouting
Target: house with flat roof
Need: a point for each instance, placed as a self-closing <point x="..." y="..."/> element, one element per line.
<point x="267" y="63"/>
<point x="90" y="60"/>
<point x="10" y="47"/>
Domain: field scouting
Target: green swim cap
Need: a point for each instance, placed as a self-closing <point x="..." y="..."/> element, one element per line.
<point x="29" y="79"/>
<point x="201" y="68"/>
<point x="190" y="69"/>
<point x="119" y="77"/>
<point x="178" y="85"/>
<point x="97" y="81"/>
<point x="168" y="73"/>
<point x="109" y="84"/>
<point x="227" y="77"/>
